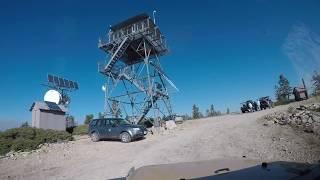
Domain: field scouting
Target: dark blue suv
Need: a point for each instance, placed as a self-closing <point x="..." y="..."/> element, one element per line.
<point x="115" y="128"/>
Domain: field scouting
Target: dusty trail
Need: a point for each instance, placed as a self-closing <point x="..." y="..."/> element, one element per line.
<point x="230" y="136"/>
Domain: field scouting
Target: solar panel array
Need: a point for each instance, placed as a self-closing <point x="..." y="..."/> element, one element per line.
<point x="53" y="106"/>
<point x="61" y="82"/>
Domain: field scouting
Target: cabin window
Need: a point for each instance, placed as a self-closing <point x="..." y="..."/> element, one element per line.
<point x="133" y="28"/>
<point x="145" y="23"/>
<point x="140" y="26"/>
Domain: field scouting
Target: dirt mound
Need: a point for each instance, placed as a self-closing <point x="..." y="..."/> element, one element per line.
<point x="304" y="117"/>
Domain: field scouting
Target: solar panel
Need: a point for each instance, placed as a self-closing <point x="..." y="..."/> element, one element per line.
<point x="53" y="106"/>
<point x="66" y="83"/>
<point x="50" y="78"/>
<point x="76" y="85"/>
<point x="71" y="84"/>
<point x="56" y="80"/>
<point x="61" y="82"/>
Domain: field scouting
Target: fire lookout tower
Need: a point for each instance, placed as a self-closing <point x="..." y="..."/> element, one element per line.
<point x="136" y="84"/>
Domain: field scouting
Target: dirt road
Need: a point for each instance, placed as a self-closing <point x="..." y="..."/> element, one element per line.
<point x="230" y="136"/>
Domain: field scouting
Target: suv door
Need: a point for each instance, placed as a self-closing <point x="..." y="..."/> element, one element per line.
<point x="114" y="129"/>
<point x="102" y="128"/>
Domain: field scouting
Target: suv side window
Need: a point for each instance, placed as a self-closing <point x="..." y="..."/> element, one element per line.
<point x="93" y="122"/>
<point x="112" y="122"/>
<point x="102" y="122"/>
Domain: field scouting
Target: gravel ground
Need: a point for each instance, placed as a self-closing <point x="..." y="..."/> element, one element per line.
<point x="229" y="136"/>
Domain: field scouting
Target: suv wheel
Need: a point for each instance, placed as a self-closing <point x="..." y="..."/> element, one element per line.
<point x="125" y="137"/>
<point x="95" y="137"/>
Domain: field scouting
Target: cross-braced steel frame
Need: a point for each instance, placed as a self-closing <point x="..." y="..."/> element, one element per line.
<point x="136" y="90"/>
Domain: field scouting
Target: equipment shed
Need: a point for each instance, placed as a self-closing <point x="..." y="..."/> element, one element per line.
<point x="300" y="93"/>
<point x="48" y="115"/>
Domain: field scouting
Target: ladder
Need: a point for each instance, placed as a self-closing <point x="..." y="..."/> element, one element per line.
<point x="117" y="54"/>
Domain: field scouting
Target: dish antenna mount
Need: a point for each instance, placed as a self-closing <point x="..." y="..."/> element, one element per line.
<point x="59" y="89"/>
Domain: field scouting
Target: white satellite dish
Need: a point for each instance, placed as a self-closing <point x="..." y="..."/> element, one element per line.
<point x="52" y="96"/>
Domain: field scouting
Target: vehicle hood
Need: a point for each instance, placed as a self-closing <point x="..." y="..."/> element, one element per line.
<point x="133" y="126"/>
<point x="227" y="169"/>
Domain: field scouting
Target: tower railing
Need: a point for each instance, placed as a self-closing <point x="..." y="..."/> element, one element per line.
<point x="153" y="35"/>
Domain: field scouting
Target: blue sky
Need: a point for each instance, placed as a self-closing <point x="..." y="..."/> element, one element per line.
<point x="221" y="52"/>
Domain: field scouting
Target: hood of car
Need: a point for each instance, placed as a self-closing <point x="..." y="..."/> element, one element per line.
<point x="133" y="126"/>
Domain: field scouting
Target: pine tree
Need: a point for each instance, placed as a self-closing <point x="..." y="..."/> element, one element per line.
<point x="195" y="112"/>
<point x="212" y="111"/>
<point x="283" y="89"/>
<point x="25" y="124"/>
<point x="208" y="114"/>
<point x="88" y="118"/>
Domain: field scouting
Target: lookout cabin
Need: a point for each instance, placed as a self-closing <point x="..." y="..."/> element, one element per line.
<point x="139" y="32"/>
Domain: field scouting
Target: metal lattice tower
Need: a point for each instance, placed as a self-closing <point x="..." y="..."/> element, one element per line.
<point x="136" y="85"/>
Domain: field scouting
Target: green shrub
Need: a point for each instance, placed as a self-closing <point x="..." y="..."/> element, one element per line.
<point x="5" y="146"/>
<point x="27" y="138"/>
<point x="80" y="130"/>
<point x="22" y="144"/>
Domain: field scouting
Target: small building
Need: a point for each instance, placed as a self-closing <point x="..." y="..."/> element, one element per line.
<point x="300" y="93"/>
<point x="48" y="115"/>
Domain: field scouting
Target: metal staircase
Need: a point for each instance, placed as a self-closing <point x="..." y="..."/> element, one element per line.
<point x="135" y="82"/>
<point x="147" y="106"/>
<point x="121" y="49"/>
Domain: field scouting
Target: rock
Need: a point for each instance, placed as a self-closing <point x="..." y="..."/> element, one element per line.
<point x="304" y="120"/>
<point x="284" y="120"/>
<point x="316" y="129"/>
<point x="170" y="124"/>
<point x="24" y="154"/>
<point x="299" y="113"/>
<point x="302" y="107"/>
<point x="308" y="128"/>
<point x="316" y="118"/>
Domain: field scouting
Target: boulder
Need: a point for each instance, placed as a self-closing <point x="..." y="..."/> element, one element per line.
<point x="316" y="129"/>
<point x="170" y="124"/>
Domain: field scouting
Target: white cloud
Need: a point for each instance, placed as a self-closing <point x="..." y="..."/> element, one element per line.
<point x="302" y="46"/>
